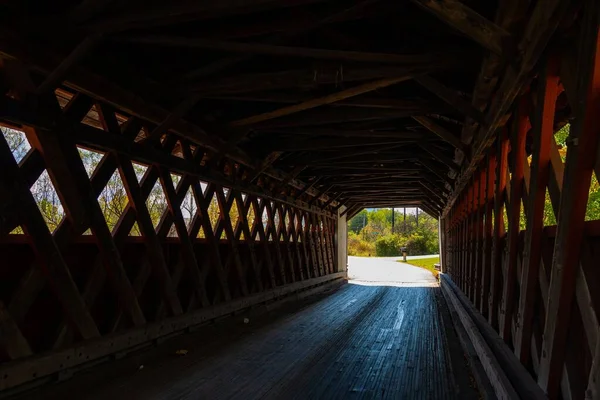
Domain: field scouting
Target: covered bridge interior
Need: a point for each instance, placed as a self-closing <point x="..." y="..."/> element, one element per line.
<point x="241" y="136"/>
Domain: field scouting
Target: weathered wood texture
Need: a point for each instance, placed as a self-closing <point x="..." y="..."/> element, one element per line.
<point x="149" y="271"/>
<point x="536" y="282"/>
<point x="365" y="341"/>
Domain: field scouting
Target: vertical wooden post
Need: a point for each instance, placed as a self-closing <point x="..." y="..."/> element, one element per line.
<point x="499" y="194"/>
<point x="517" y="143"/>
<point x="488" y="233"/>
<point x="579" y="165"/>
<point x="472" y="238"/>
<point x="543" y="131"/>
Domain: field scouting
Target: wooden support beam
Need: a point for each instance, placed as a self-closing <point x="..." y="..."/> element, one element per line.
<point x="59" y="73"/>
<point x="451" y="97"/>
<point x="225" y="208"/>
<point x="12" y="341"/>
<point x="578" y="172"/>
<point x="179" y="112"/>
<point x="440" y="156"/>
<point x="101" y="89"/>
<point x="544" y="20"/>
<point x="153" y="246"/>
<point x="301" y="79"/>
<point x="329" y="99"/>
<point x="266" y="163"/>
<point x="362" y="102"/>
<point x="499" y="200"/>
<point x="330" y="144"/>
<point x="67" y="170"/>
<point x="321" y="193"/>
<point x="468" y="22"/>
<point x="519" y="129"/>
<point x="54" y="268"/>
<point x="243" y="206"/>
<point x="441" y="132"/>
<point x="431" y="167"/>
<point x="418" y="60"/>
<point x="183" y="11"/>
<point x="142" y="152"/>
<point x="488" y="229"/>
<point x="543" y="131"/>
<point x="289" y="33"/>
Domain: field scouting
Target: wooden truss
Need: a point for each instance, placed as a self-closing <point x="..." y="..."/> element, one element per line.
<point x="537" y="284"/>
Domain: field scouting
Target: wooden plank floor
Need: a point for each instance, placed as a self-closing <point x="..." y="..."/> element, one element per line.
<point x="385" y="335"/>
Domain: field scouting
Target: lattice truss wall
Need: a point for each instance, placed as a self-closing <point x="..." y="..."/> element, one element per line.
<point x="113" y="233"/>
<point x="522" y="239"/>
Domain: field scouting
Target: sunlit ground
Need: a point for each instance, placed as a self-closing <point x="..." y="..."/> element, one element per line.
<point x="387" y="272"/>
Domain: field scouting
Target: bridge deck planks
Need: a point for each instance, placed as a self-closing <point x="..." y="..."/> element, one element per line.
<point x="359" y="341"/>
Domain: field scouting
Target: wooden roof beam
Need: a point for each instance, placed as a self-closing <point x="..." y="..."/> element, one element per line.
<point x="542" y="24"/>
<point x="429" y="165"/>
<point x="101" y="89"/>
<point x="438" y="155"/>
<point x="295" y="145"/>
<point x="320" y="101"/>
<point x="332" y="116"/>
<point x="366" y="134"/>
<point x="451" y="97"/>
<point x="441" y="132"/>
<point x="290" y="33"/>
<point x="178" y="11"/>
<point x="414" y="60"/>
<point x="307" y="78"/>
<point x="468" y="22"/>
<point x="364" y="102"/>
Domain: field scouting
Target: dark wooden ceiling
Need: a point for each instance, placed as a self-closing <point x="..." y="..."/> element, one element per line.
<point x="362" y="103"/>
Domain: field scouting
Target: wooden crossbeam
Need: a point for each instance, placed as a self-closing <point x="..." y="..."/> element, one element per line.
<point x="499" y="228"/>
<point x="521" y="126"/>
<point x="243" y="207"/>
<point x="59" y="73"/>
<point x="12" y="340"/>
<point x="142" y="152"/>
<point x="66" y="168"/>
<point x="451" y="97"/>
<point x="541" y="26"/>
<point x="182" y="11"/>
<point x="55" y="269"/>
<point x="468" y="22"/>
<point x="286" y="51"/>
<point x="440" y="156"/>
<point x="99" y="88"/>
<point x="329" y="99"/>
<point x="431" y="167"/>
<point x="578" y="172"/>
<point x="363" y="101"/>
<point x="258" y="228"/>
<point x="290" y="32"/>
<point x="543" y="130"/>
<point x="225" y="208"/>
<point x="334" y="115"/>
<point x="440" y="131"/>
<point x="153" y="247"/>
<point x="179" y="112"/>
<point x="308" y="78"/>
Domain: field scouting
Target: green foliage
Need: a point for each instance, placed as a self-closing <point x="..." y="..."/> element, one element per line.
<point x="389" y="245"/>
<point x="371" y="233"/>
<point x="359" y="221"/>
<point x="359" y="247"/>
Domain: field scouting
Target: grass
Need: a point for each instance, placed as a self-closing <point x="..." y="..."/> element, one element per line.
<point x="426" y="263"/>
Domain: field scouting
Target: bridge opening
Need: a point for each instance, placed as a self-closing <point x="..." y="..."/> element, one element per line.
<point x="166" y="165"/>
